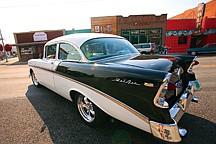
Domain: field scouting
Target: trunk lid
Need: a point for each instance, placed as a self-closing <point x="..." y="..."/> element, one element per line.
<point x="155" y="64"/>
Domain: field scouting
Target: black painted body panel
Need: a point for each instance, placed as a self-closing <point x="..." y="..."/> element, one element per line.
<point x="124" y="79"/>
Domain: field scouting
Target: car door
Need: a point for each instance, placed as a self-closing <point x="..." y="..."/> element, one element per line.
<point x="48" y="65"/>
<point x="66" y="52"/>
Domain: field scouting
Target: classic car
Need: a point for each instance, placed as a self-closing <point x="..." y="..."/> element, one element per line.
<point x="105" y="75"/>
<point x="208" y="48"/>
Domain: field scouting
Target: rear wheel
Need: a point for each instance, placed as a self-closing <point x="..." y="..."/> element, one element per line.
<point x="89" y="112"/>
<point x="34" y="79"/>
<point x="193" y="53"/>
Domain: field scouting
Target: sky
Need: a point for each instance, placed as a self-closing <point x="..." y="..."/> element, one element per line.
<point x="36" y="15"/>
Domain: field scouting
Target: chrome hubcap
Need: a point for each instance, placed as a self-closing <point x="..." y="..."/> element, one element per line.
<point x="193" y="53"/>
<point x="85" y="107"/>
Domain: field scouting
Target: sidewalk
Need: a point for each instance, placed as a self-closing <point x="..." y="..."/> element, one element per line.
<point x="12" y="61"/>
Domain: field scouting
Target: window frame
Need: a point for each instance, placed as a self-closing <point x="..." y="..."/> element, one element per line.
<point x="78" y="52"/>
<point x="53" y="56"/>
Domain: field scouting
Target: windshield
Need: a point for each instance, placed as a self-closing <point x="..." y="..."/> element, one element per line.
<point x="99" y="48"/>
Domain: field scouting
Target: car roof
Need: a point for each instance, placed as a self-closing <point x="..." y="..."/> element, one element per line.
<point x="79" y="38"/>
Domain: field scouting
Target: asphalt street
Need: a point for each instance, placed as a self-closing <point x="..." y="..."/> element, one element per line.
<point x="38" y="115"/>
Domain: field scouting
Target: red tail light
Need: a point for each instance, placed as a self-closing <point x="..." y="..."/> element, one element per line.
<point x="171" y="86"/>
<point x="196" y="63"/>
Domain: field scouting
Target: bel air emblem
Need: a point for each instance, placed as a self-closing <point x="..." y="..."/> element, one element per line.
<point x="129" y="82"/>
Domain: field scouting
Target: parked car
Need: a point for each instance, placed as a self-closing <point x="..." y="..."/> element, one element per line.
<point x="104" y="75"/>
<point x="208" y="48"/>
<point x="146" y="48"/>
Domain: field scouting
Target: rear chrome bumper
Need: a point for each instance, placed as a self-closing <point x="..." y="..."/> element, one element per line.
<point x="171" y="132"/>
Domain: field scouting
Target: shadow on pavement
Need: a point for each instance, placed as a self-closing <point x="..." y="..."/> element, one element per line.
<point x="65" y="126"/>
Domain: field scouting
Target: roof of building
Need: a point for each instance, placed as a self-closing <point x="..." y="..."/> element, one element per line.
<point x="210" y="12"/>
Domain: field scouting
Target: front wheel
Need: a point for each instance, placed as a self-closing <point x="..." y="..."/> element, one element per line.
<point x="34" y="79"/>
<point x="89" y="112"/>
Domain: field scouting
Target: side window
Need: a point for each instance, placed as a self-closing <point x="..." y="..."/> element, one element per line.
<point x="68" y="52"/>
<point x="51" y="51"/>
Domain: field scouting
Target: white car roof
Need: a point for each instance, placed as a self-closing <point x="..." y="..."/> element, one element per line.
<point x="80" y="38"/>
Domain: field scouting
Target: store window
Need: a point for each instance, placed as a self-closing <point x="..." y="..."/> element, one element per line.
<point x="143" y="35"/>
<point x="134" y="39"/>
<point x="143" y="39"/>
<point x="144" y="32"/>
<point x="182" y="40"/>
<point x="125" y="32"/>
<point x="134" y="31"/>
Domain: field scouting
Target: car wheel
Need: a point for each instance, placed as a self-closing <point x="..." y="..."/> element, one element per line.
<point x="34" y="79"/>
<point x="89" y="112"/>
<point x="193" y="53"/>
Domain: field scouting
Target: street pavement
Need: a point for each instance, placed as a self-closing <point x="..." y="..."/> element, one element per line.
<point x="38" y="115"/>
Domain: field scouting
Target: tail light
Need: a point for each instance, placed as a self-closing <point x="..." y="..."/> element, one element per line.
<point x="171" y="86"/>
<point x="160" y="99"/>
<point x="190" y="69"/>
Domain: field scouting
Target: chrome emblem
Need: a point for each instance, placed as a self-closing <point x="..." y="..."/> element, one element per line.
<point x="129" y="82"/>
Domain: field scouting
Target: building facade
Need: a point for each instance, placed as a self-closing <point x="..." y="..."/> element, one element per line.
<point x="30" y="44"/>
<point x="135" y="28"/>
<point x="182" y="34"/>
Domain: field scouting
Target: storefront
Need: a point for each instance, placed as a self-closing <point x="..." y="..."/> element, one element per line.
<point x="30" y="44"/>
<point x="135" y="28"/>
<point x="182" y="34"/>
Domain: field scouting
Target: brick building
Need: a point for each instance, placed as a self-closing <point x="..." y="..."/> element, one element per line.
<point x="135" y="28"/>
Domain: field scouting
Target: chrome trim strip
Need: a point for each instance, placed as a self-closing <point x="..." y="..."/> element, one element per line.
<point x="144" y="118"/>
<point x="157" y="97"/>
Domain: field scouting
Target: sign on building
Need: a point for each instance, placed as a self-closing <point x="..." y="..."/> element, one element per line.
<point x="40" y="36"/>
<point x="200" y="15"/>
